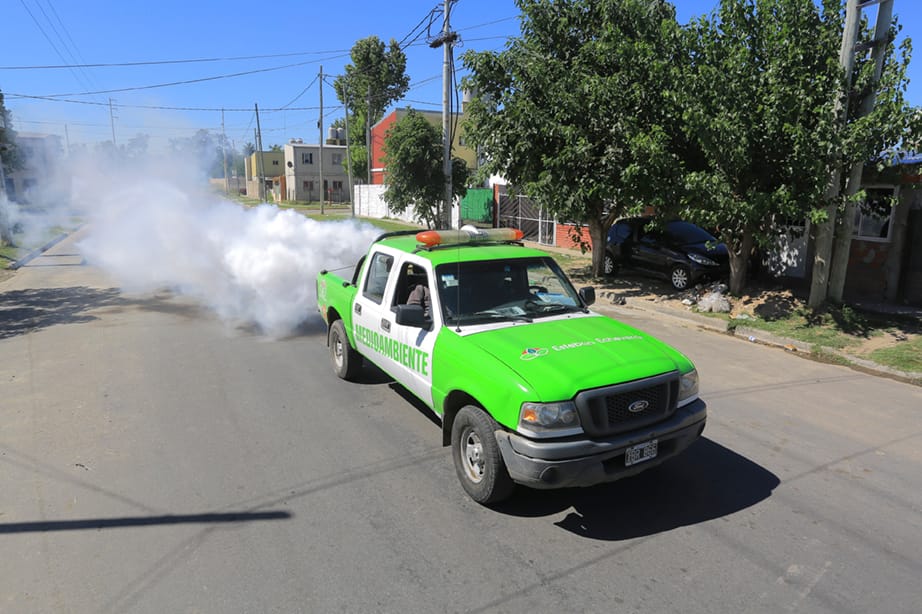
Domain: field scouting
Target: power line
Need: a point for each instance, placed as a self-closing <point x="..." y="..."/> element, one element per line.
<point x="180" y="61"/>
<point x="187" y="82"/>
<point x="153" y="107"/>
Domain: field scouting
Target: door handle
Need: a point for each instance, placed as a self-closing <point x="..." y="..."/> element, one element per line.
<point x="386" y="325"/>
<point x="357" y="308"/>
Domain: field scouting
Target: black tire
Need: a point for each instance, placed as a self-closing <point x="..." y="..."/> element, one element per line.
<point x="609" y="266"/>
<point x="478" y="461"/>
<point x="347" y="363"/>
<point x="680" y="277"/>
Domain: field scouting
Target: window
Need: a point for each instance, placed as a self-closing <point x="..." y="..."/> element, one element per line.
<point x="337" y="158"/>
<point x="872" y="217"/>
<point x="337" y="185"/>
<point x="307" y="157"/>
<point x="307" y="185"/>
<point x="275" y="163"/>
<point x="376" y="280"/>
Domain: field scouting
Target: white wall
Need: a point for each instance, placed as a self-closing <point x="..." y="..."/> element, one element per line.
<point x="369" y="202"/>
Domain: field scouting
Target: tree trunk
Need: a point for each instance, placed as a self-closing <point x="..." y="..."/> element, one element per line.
<point x="739" y="263"/>
<point x="597" y="232"/>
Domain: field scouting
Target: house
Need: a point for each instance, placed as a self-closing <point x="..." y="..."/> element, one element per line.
<point x="302" y="172"/>
<point x="885" y="256"/>
<point x="459" y="147"/>
<point x="262" y="165"/>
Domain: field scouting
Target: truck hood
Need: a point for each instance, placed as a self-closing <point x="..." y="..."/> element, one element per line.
<point x="558" y="358"/>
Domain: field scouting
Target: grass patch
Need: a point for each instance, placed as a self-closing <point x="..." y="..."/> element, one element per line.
<point x="906" y="356"/>
<point x="824" y="328"/>
<point x="9" y="254"/>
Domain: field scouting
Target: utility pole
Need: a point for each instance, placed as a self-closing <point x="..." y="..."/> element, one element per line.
<point x="843" y="239"/>
<point x="67" y="140"/>
<point x="825" y="232"/>
<point x="323" y="191"/>
<point x="368" y="137"/>
<point x="224" y="154"/>
<point x="349" y="155"/>
<point x="112" y="123"/>
<point x="261" y="189"/>
<point x="445" y="40"/>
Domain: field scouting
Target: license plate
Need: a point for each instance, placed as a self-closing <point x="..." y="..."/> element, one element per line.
<point x="640" y="453"/>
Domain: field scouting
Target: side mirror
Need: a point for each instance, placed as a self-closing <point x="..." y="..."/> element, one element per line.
<point x="587" y="294"/>
<point x="412" y="315"/>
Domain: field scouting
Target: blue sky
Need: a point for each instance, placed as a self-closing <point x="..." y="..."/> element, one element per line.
<point x="301" y="35"/>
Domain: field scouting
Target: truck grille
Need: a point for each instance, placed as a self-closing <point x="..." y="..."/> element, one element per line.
<point x="629" y="406"/>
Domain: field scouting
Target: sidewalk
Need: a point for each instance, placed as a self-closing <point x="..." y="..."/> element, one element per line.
<point x="754" y="335"/>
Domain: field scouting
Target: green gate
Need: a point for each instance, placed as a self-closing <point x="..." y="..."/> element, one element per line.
<point x="477" y="205"/>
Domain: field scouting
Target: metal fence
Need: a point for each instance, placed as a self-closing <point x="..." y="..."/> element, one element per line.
<point x="520" y="212"/>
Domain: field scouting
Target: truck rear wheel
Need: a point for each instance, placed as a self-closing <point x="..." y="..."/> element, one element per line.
<point x="346" y="361"/>
<point x="478" y="460"/>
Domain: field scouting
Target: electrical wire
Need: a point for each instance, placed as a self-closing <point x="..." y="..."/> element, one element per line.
<point x="180" y="61"/>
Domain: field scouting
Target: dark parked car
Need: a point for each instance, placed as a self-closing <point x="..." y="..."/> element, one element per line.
<point x="678" y="251"/>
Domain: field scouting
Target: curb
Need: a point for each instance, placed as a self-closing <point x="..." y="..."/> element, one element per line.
<point x="762" y="337"/>
<point x="37" y="252"/>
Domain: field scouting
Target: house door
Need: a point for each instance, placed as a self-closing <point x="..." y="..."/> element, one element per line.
<point x="912" y="277"/>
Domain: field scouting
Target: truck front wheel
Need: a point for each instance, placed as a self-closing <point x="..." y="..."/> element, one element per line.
<point x="346" y="361"/>
<point x="478" y="461"/>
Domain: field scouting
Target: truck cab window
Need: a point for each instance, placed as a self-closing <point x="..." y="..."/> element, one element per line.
<point x="378" y="271"/>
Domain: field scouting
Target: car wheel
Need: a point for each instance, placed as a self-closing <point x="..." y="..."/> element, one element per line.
<point x="680" y="277"/>
<point x="346" y="361"/>
<point x="609" y="266"/>
<point x="478" y="461"/>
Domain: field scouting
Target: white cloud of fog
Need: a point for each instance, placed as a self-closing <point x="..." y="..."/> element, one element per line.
<point x="158" y="226"/>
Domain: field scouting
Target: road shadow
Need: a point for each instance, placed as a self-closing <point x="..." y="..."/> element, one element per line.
<point x="44" y="526"/>
<point x="24" y="311"/>
<point x="705" y="482"/>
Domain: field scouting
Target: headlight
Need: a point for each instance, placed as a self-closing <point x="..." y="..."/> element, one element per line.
<point x="549" y="419"/>
<point x="703" y="260"/>
<point x="688" y="387"/>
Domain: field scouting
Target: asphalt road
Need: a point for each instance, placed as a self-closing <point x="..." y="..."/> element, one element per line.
<point x="154" y="459"/>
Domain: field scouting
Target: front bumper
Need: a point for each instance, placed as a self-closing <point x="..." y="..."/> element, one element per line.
<point x="584" y="462"/>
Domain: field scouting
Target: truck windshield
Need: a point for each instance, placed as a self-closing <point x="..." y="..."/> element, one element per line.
<point x="515" y="289"/>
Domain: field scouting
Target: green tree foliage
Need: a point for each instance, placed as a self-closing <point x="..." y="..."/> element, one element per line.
<point x="413" y="155"/>
<point x="8" y="159"/>
<point x="580" y="111"/>
<point x="375" y="78"/>
<point x="8" y="154"/>
<point x="203" y="146"/>
<point x="758" y="103"/>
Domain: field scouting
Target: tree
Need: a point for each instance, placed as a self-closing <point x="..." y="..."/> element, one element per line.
<point x="758" y="106"/>
<point x="375" y="78"/>
<point x="204" y="147"/>
<point x="8" y="160"/>
<point x="579" y="111"/>
<point x="137" y="146"/>
<point x="413" y="155"/>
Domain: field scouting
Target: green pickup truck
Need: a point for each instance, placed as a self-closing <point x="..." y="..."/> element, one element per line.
<point x="530" y="385"/>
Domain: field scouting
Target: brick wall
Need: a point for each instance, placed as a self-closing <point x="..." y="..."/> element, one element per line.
<point x="564" y="236"/>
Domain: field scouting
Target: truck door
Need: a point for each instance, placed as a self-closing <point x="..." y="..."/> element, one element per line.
<point x="415" y="344"/>
<point x="372" y="317"/>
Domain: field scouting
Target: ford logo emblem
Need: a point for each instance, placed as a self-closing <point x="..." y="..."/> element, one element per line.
<point x="638" y="406"/>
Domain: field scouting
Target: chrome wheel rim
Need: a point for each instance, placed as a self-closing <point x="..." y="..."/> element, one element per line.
<point x="472" y="455"/>
<point x="337" y="350"/>
<point x="679" y="278"/>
